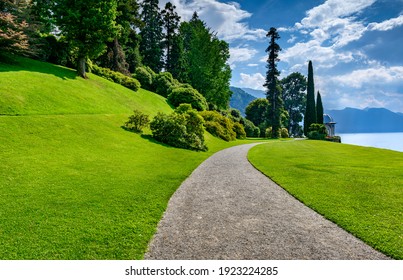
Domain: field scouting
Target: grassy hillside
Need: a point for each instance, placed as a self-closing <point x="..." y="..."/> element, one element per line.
<point x="359" y="188"/>
<point x="73" y="183"/>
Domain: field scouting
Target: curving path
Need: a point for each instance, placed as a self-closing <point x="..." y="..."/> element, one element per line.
<point x="229" y="210"/>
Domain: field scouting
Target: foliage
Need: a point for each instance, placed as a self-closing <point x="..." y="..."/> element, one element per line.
<point x="250" y="129"/>
<point x="137" y="122"/>
<point x="219" y="125"/>
<point x="272" y="83"/>
<point x="317" y="131"/>
<point x="257" y="111"/>
<point x="181" y="129"/>
<point x="145" y="75"/>
<point x="206" y="62"/>
<point x="294" y="97"/>
<point x="151" y="35"/>
<point x="163" y="83"/>
<point x="88" y="35"/>
<point x="12" y="36"/>
<point x="170" y="21"/>
<point x="116" y="77"/>
<point x="310" y="111"/>
<point x="284" y="133"/>
<point x="239" y="130"/>
<point x="189" y="95"/>
<point x="358" y="188"/>
<point x="319" y="109"/>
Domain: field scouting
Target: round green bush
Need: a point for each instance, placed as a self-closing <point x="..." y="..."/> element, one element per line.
<point x="239" y="130"/>
<point x="163" y="83"/>
<point x="180" y="95"/>
<point x="214" y="119"/>
<point x="145" y="77"/>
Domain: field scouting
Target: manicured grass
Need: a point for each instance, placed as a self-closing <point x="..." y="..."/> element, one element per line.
<point x="73" y="183"/>
<point x="359" y="188"/>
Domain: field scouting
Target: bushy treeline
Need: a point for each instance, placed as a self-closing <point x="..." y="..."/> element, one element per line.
<point x="121" y="35"/>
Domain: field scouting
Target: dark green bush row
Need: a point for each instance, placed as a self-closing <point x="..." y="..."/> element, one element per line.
<point x="183" y="128"/>
<point x="116" y="77"/>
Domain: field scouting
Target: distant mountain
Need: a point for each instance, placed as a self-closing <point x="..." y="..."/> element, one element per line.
<point x="255" y="92"/>
<point x="240" y="99"/>
<point x="369" y="120"/>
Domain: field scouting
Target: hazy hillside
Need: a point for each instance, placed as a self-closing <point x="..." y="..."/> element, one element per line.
<point x="240" y="99"/>
<point x="255" y="92"/>
<point x="350" y="120"/>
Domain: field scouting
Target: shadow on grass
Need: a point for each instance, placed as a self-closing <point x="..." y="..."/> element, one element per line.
<point x="10" y="63"/>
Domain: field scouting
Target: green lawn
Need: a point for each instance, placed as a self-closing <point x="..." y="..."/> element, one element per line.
<point x="73" y="183"/>
<point x="359" y="188"/>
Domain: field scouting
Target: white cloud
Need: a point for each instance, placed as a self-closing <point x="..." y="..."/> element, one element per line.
<point x="227" y="19"/>
<point x="253" y="81"/>
<point x="372" y="76"/>
<point x="240" y="54"/>
<point x="387" y="24"/>
<point x="253" y="64"/>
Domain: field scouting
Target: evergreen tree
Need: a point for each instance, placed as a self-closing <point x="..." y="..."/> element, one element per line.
<point x="319" y="109"/>
<point x="171" y="24"/>
<point x="151" y="35"/>
<point x="272" y="83"/>
<point x="87" y="25"/>
<point x="205" y="58"/>
<point x="294" y="97"/>
<point x="310" y="111"/>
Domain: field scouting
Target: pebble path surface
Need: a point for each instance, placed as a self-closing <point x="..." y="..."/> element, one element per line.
<point x="228" y="210"/>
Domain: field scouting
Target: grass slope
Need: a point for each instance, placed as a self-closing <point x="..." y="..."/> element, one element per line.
<point x="73" y="183"/>
<point x="358" y="188"/>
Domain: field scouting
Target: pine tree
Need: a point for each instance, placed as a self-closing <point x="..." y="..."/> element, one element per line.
<point x="151" y="36"/>
<point x="272" y="84"/>
<point x="319" y="109"/>
<point x="171" y="24"/>
<point x="310" y="112"/>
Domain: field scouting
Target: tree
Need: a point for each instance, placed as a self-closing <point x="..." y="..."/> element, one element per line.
<point x="319" y="109"/>
<point x="151" y="35"/>
<point x="171" y="24"/>
<point x="310" y="111"/>
<point x="272" y="84"/>
<point x="115" y="58"/>
<point x="205" y="58"/>
<point x="87" y="25"/>
<point x="12" y="36"/>
<point x="257" y="111"/>
<point x="294" y="97"/>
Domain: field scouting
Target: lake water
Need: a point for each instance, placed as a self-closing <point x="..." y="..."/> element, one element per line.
<point x="391" y="141"/>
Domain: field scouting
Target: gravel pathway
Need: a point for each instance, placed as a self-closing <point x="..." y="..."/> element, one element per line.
<point x="228" y="210"/>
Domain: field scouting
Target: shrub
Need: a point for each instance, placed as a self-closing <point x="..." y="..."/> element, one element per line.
<point x="187" y="95"/>
<point x="269" y="132"/>
<point x="250" y="129"/>
<point x="214" y="119"/>
<point x="145" y="75"/>
<point x="239" y="130"/>
<point x="116" y="77"/>
<point x="137" y="122"/>
<point x="183" y="129"/>
<point x="284" y="133"/>
<point x="317" y="131"/>
<point x="163" y="83"/>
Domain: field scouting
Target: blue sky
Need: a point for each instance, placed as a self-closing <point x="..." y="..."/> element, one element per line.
<point x="356" y="46"/>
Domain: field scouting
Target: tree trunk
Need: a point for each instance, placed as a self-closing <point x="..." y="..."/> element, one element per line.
<point x="81" y="67"/>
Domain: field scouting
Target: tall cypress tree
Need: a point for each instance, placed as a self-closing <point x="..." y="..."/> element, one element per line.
<point x="151" y="35"/>
<point x="319" y="109"/>
<point x="310" y="112"/>
<point x="272" y="84"/>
